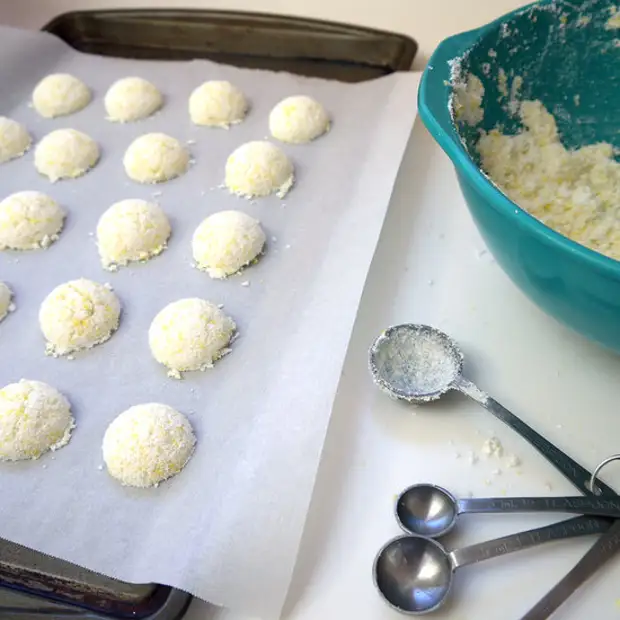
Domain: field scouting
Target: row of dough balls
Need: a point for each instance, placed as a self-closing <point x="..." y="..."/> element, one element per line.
<point x="189" y="334"/>
<point x="143" y="446"/>
<point x="256" y="168"/>
<point x="216" y="103"/>
<point x="134" y="230"/>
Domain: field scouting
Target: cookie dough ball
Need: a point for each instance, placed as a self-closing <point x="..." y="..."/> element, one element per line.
<point x="155" y="157"/>
<point x="298" y="120"/>
<point x="60" y="94"/>
<point x="29" y="221"/>
<point x="131" y="230"/>
<point x="14" y="139"/>
<point x="227" y="241"/>
<point x="6" y="300"/>
<point x="65" y="154"/>
<point x="258" y="169"/>
<point x="78" y="315"/>
<point x="217" y="104"/>
<point x="132" y="99"/>
<point x="190" y="334"/>
<point x="146" y="444"/>
<point x="34" y="418"/>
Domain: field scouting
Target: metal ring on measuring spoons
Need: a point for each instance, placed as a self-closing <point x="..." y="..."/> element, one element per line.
<point x="591" y="483"/>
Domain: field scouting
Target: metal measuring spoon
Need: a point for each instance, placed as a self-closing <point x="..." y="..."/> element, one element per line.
<point x="599" y="554"/>
<point x="430" y="510"/>
<point x="414" y="573"/>
<point x="419" y="364"/>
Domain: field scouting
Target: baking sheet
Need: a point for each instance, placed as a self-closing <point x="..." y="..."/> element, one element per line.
<point x="227" y="529"/>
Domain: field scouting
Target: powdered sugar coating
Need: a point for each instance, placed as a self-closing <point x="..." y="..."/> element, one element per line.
<point x="147" y="444"/>
<point x="34" y="418"/>
<point x="190" y="334"/>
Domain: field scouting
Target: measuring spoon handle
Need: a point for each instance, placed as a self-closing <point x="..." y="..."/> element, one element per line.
<point x="604" y="506"/>
<point x="577" y="474"/>
<point x="578" y="526"/>
<point x="602" y="551"/>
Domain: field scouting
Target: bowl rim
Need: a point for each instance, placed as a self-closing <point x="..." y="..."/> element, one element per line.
<point x="454" y="47"/>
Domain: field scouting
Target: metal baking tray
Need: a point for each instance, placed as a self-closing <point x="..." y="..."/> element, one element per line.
<point x="253" y="40"/>
<point x="33" y="585"/>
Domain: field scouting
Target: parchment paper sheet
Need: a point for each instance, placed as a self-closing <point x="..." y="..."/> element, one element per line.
<point x="228" y="528"/>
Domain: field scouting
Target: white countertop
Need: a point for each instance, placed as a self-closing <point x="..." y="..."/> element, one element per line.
<point x="430" y="266"/>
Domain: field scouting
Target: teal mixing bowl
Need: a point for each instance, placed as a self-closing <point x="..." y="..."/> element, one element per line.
<point x="569" y="58"/>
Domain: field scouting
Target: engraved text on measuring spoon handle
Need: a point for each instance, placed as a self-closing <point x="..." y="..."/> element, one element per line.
<point x="602" y="551"/>
<point x="577" y="474"/>
<point x="608" y="506"/>
<point x="579" y="526"/>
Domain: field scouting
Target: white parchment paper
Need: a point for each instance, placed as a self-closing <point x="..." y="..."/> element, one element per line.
<point x="228" y="528"/>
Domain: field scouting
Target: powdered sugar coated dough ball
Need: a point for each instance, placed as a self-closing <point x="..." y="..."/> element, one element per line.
<point x="132" y="99"/>
<point x="60" y="94"/>
<point x="190" y="334"/>
<point x="65" y="154"/>
<point x="147" y="444"/>
<point x="217" y="104"/>
<point x="155" y="157"/>
<point x="227" y="241"/>
<point x="34" y="418"/>
<point x="78" y="315"/>
<point x="14" y="139"/>
<point x="131" y="230"/>
<point x="6" y="300"/>
<point x="298" y="120"/>
<point x="29" y="221"/>
<point x="259" y="168"/>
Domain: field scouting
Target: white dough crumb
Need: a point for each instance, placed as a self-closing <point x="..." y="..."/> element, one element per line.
<point x="147" y="444"/>
<point x="131" y="230"/>
<point x="245" y="283"/>
<point x="60" y="94"/>
<point x="217" y="104"/>
<point x="298" y="120"/>
<point x="155" y="158"/>
<point x="472" y="458"/>
<point x="513" y="461"/>
<point x="190" y="334"/>
<point x="492" y="447"/>
<point x="65" y="154"/>
<point x="132" y="99"/>
<point x="259" y="169"/>
<point x="226" y="242"/>
<point x="29" y="221"/>
<point x="14" y="139"/>
<point x="6" y="296"/>
<point x="78" y="315"/>
<point x="34" y="418"/>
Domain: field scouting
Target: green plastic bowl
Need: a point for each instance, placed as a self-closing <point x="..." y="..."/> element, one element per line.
<point x="571" y="62"/>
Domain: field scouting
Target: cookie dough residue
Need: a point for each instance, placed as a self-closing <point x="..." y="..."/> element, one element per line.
<point x="65" y="154"/>
<point x="60" y="94"/>
<point x="29" y="221"/>
<point x="131" y="230"/>
<point x="190" y="334"/>
<point x="298" y="120"/>
<point x="154" y="158"/>
<point x="78" y="315"/>
<point x="575" y="192"/>
<point x="258" y="169"/>
<point x="14" y="139"/>
<point x="34" y="418"/>
<point x="132" y="99"/>
<point x="147" y="444"/>
<point x="217" y="104"/>
<point x="227" y="241"/>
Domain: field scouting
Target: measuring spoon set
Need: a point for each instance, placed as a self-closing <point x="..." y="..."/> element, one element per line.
<point x="413" y="572"/>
